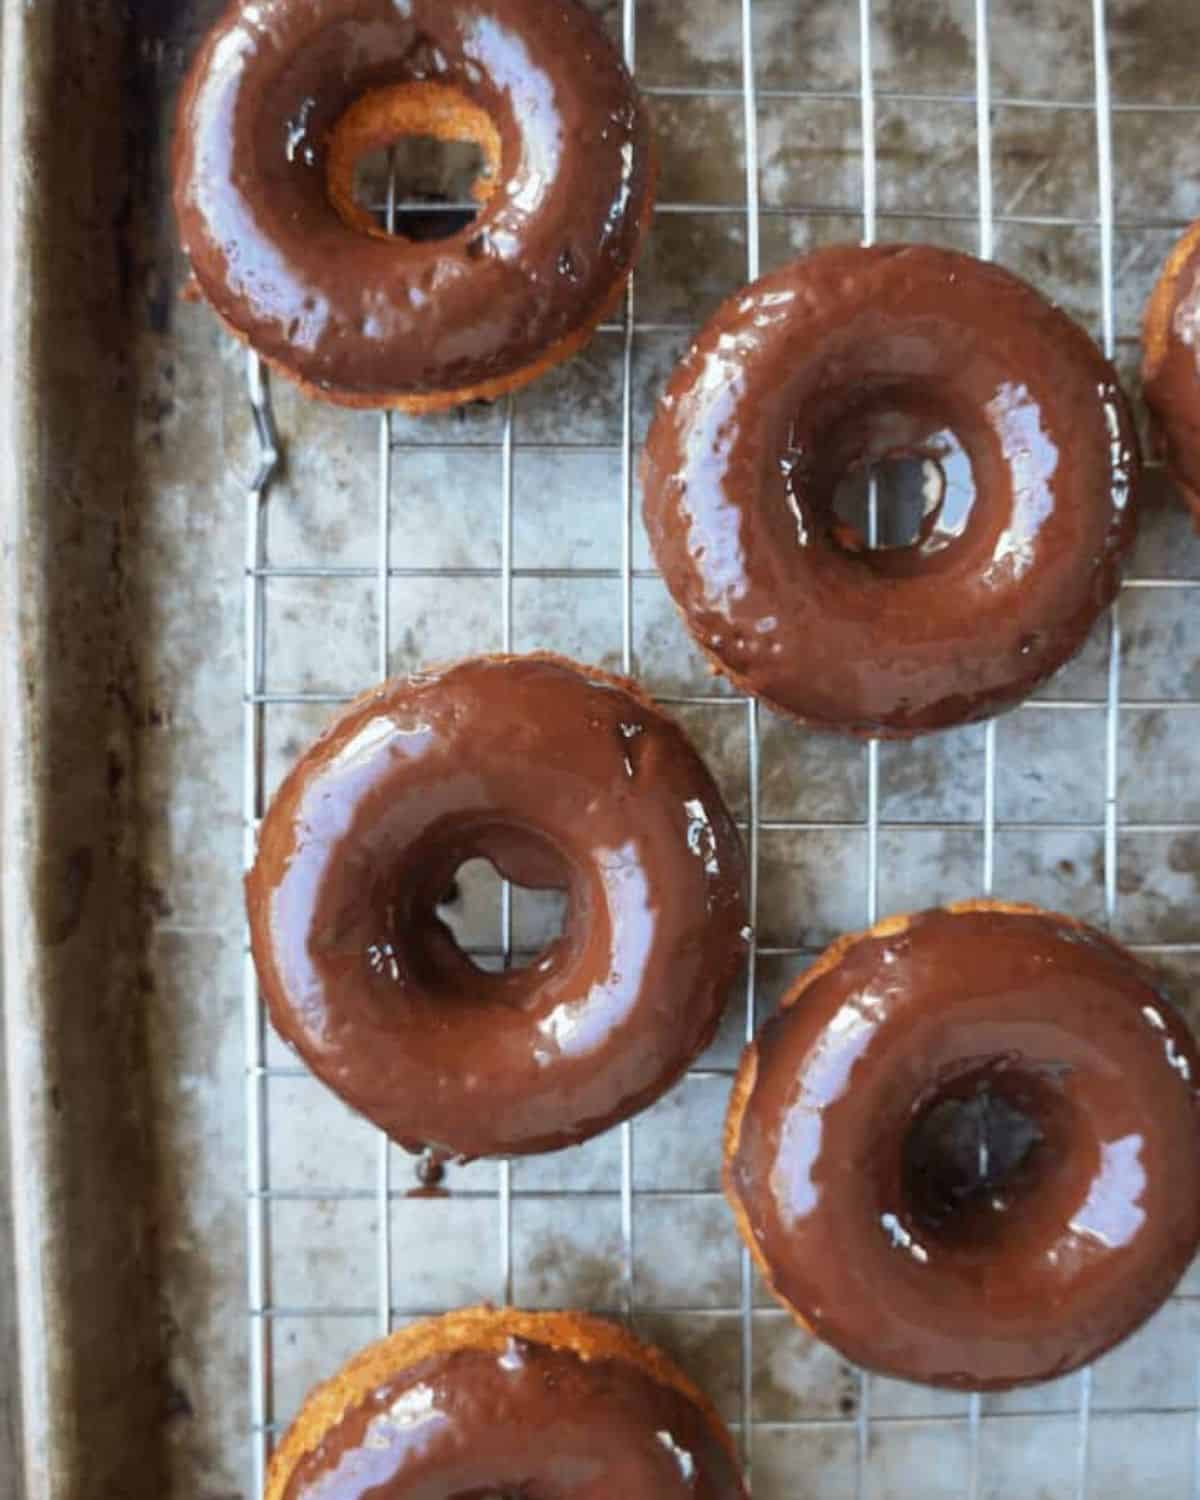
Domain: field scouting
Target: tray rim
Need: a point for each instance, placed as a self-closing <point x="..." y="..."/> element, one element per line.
<point x="89" y="1366"/>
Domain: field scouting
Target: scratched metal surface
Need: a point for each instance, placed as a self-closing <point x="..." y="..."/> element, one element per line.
<point x="1059" y="137"/>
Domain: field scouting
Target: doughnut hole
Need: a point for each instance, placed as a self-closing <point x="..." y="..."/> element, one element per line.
<point x="907" y="487"/>
<point x="413" y="162"/>
<point x="894" y="472"/>
<point x="472" y="908"/>
<point x="420" y="187"/>
<point x="446" y="919"/>
<point x="988" y="1159"/>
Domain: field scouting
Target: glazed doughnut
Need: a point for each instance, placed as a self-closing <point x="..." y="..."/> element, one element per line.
<point x="487" y="1402"/>
<point x="967" y="1150"/>
<point x="845" y="359"/>
<point x="563" y="778"/>
<point x="1171" y="364"/>
<point x="286" y="96"/>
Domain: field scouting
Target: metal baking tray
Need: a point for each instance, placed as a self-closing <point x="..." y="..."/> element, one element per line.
<point x="200" y="1230"/>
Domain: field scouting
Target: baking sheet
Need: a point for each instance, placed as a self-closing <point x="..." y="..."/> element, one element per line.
<point x="128" y="422"/>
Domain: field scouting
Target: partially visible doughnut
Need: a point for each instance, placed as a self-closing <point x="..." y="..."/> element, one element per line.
<point x="1171" y="364"/>
<point x="492" y="1401"/>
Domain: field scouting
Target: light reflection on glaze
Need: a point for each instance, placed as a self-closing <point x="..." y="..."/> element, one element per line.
<point x="406" y="738"/>
<point x="254" y="269"/>
<point x="1175" y="1058"/>
<point x="1045" y="1268"/>
<point x="1185" y="321"/>
<point x="513" y="1357"/>
<point x="531" y="95"/>
<point x="705" y="411"/>
<point x="790" y="387"/>
<point x="701" y="839"/>
<point x="902" y="1238"/>
<point x="296" y="143"/>
<point x="684" y="1461"/>
<point x="1032" y="459"/>
<point x="1122" y="458"/>
<point x="359" y="315"/>
<point x="577" y="1027"/>
<point x="392" y="1440"/>
<point x="822" y="1078"/>
<point x="706" y="415"/>
<point x="561" y="782"/>
<point x="1112" y="1214"/>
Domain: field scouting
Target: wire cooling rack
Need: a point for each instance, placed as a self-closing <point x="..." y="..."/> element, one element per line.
<point x="960" y="1462"/>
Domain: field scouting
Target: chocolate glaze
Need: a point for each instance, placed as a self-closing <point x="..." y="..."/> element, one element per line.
<point x="532" y="1421"/>
<point x="861" y="1207"/>
<point x="841" y="360"/>
<point x="562" y="780"/>
<point x="1171" y="369"/>
<point x="354" y="313"/>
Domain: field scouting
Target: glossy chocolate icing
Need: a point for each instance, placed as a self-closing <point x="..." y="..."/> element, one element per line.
<point x="1171" y="368"/>
<point x="532" y="1421"/>
<point x="843" y="359"/>
<point x="357" y="315"/>
<point x="563" y="780"/>
<point x="1025" y="1040"/>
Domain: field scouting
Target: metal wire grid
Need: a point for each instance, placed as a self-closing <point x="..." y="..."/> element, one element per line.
<point x="257" y="699"/>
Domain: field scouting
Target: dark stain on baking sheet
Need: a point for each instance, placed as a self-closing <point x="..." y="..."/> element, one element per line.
<point x="65" y="888"/>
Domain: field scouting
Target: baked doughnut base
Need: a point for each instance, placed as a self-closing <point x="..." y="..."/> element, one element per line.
<point x="1156" y="342"/>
